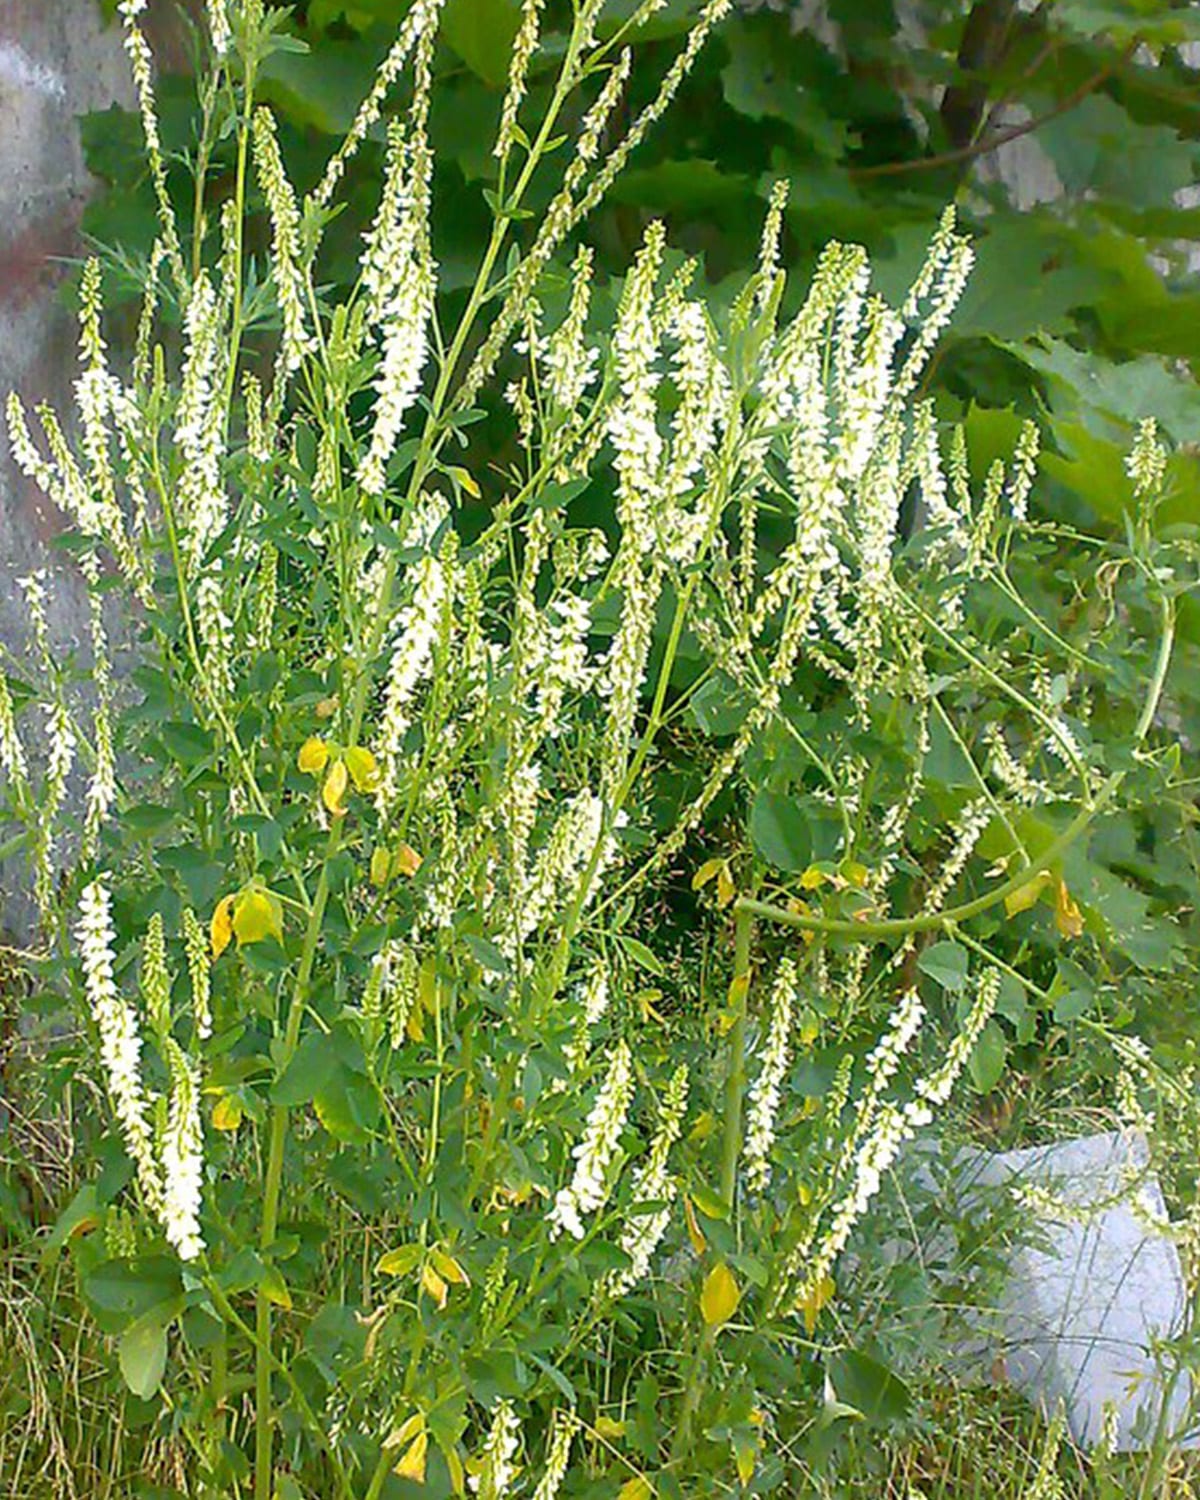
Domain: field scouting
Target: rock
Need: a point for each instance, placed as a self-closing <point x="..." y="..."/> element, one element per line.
<point x="1094" y="1290"/>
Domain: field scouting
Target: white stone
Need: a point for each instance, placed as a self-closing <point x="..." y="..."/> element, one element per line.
<point x="1093" y="1291"/>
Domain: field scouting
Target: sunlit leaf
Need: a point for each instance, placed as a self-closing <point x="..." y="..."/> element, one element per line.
<point x="334" y="789"/>
<point x="221" y="927"/>
<point x="313" y="757"/>
<point x="719" y="1296"/>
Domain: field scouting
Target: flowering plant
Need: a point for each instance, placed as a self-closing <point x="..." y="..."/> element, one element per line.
<point x="420" y="1160"/>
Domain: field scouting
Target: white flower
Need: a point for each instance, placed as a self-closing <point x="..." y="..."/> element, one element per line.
<point x="285" y="243"/>
<point x="182" y="1156"/>
<point x="562" y="1435"/>
<point x="652" y="1183"/>
<point x="499" y="1454"/>
<point x="218" y="26"/>
<point x="12" y="754"/>
<point x="594" y="1154"/>
<point x="411" y="661"/>
<point x="120" y="1044"/>
<point x="764" y="1091"/>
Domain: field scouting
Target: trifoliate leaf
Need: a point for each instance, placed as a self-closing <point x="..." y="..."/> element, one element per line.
<point x="257" y="915"/>
<point x="363" y="768"/>
<point x="221" y="928"/>
<point x="313" y="757"/>
<point x="334" y="789"/>
<point x="719" y="1296"/>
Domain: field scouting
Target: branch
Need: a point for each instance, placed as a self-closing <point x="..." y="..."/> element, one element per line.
<point x="1002" y="137"/>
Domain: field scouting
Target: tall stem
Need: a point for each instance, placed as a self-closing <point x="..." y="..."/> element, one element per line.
<point x="735" y="1075"/>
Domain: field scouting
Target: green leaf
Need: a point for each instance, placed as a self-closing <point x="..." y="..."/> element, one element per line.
<point x="946" y="964"/>
<point x="779" y="831"/>
<point x="772" y="74"/>
<point x="986" y="1064"/>
<point x="312" y="1064"/>
<point x="644" y="957"/>
<point x="143" y="1355"/>
<point x="482" y="32"/>
<point x="873" y="1390"/>
<point x="486" y="954"/>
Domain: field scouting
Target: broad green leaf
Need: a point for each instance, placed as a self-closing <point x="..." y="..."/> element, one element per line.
<point x="871" y="1388"/>
<point x="142" y="1353"/>
<point x="779" y="831"/>
<point x="986" y="1063"/>
<point x="482" y="32"/>
<point x="946" y="964"/>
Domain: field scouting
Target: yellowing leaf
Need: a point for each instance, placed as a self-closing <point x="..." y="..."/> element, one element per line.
<point x="405" y="861"/>
<point x="458" y="1478"/>
<point x="335" y="788"/>
<point x="636" y="1488"/>
<point x="814" y="1299"/>
<point x="706" y="1123"/>
<point x="745" y="1456"/>
<point x="1067" y="916"/>
<point x="221" y="928"/>
<point x="1026" y="895"/>
<point x="707" y="871"/>
<point x="609" y="1428"/>
<point x="327" y="708"/>
<point x="433" y="1286"/>
<point x="257" y="915"/>
<point x="274" y="1288"/>
<point x="400" y="1261"/>
<point x="719" y="1296"/>
<point x="313" y="757"/>
<point x="405" y="1433"/>
<point x="695" y="1233"/>
<point x="363" y="768"/>
<point x="726" y="890"/>
<point x="812" y="879"/>
<point x="227" y="1112"/>
<point x="448" y="1268"/>
<point x="381" y="867"/>
<point x="737" y="990"/>
<point x="412" y="1465"/>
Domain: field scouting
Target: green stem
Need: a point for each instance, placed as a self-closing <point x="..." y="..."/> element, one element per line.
<point x="870" y="932"/>
<point x="735" y="1075"/>
<point x="274" y="1181"/>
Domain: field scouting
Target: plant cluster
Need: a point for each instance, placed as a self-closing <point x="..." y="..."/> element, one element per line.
<point x="438" y="1168"/>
